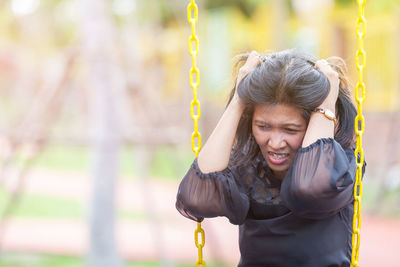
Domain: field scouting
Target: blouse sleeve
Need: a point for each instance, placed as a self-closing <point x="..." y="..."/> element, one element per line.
<point x="320" y="181"/>
<point x="205" y="195"/>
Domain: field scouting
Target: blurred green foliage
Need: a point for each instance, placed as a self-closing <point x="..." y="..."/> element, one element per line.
<point x="39" y="260"/>
<point x="171" y="163"/>
<point x="168" y="162"/>
<point x="379" y="200"/>
<point x="51" y="207"/>
<point x="44" y="260"/>
<point x="64" y="157"/>
<point x="43" y="206"/>
<point x="247" y="7"/>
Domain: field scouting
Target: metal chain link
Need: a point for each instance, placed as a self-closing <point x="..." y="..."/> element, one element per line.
<point x="194" y="76"/>
<point x="199" y="230"/>
<point x="195" y="111"/>
<point x="359" y="127"/>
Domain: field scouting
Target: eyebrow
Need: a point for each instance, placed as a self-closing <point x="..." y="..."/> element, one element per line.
<point x="290" y="124"/>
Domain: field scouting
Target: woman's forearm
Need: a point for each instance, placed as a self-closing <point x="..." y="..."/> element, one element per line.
<point x="215" y="154"/>
<point x="318" y="127"/>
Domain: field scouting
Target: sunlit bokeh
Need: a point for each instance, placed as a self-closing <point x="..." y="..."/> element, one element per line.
<point x="24" y="7"/>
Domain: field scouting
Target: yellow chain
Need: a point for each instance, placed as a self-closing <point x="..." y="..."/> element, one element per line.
<point x="199" y="246"/>
<point x="194" y="81"/>
<point x="359" y="122"/>
<point x="195" y="111"/>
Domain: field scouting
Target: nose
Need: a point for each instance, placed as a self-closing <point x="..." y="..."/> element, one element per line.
<point x="276" y="141"/>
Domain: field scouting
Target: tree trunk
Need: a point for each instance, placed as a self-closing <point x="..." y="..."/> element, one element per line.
<point x="97" y="37"/>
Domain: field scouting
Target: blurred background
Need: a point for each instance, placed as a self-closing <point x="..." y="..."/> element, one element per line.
<point x="95" y="121"/>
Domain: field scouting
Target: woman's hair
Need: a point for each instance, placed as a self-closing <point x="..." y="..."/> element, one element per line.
<point x="289" y="77"/>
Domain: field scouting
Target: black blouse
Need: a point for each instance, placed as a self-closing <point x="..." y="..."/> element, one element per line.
<point x="304" y="220"/>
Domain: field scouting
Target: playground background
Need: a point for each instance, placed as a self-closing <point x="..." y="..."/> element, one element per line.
<point x="95" y="126"/>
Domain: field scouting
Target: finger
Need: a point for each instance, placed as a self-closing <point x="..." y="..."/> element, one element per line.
<point x="324" y="66"/>
<point x="322" y="63"/>
<point x="257" y="55"/>
<point x="254" y="59"/>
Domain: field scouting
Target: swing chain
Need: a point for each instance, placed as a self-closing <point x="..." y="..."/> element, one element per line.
<point x="199" y="246"/>
<point x="195" y="111"/>
<point x="359" y="126"/>
<point x="194" y="76"/>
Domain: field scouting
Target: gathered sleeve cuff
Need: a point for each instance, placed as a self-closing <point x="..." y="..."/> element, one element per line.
<point x="320" y="181"/>
<point x="205" y="195"/>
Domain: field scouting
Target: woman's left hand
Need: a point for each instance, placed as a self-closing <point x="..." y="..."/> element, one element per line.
<point x="333" y="77"/>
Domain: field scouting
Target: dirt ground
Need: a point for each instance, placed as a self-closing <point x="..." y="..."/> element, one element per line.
<point x="169" y="236"/>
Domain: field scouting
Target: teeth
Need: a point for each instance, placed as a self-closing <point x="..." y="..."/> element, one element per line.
<point x="278" y="156"/>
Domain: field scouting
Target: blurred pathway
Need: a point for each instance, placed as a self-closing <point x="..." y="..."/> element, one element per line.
<point x="174" y="243"/>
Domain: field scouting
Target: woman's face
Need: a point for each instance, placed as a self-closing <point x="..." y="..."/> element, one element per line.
<point x="279" y="131"/>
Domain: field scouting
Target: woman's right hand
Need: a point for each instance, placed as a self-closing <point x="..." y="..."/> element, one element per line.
<point x="253" y="60"/>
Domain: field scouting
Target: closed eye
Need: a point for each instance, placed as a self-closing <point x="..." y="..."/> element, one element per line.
<point x="263" y="127"/>
<point x="290" y="130"/>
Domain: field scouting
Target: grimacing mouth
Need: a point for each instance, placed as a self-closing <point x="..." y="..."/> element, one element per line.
<point x="278" y="155"/>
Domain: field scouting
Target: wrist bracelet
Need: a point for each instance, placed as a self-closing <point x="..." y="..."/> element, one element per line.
<point x="327" y="113"/>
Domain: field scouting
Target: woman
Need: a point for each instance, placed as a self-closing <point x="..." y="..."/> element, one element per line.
<point x="280" y="163"/>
